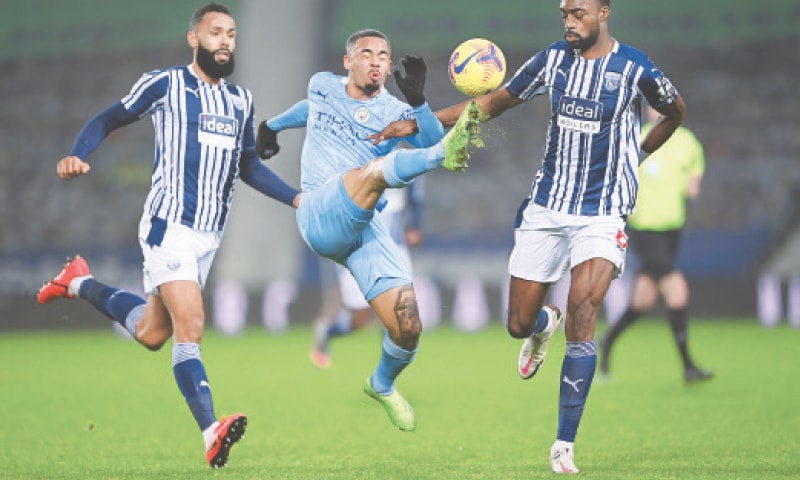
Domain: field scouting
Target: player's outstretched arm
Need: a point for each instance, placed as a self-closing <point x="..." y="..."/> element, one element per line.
<point x="396" y="129"/>
<point x="90" y="137"/>
<point x="492" y="104"/>
<point x="261" y="178"/>
<point x="267" y="135"/>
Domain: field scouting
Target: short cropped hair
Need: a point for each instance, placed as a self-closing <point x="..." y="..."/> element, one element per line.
<point x="369" y="32"/>
<point x="198" y="15"/>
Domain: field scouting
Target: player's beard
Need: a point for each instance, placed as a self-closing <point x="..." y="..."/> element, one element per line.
<point x="209" y="65"/>
<point x="584" y="43"/>
<point x="371" y="88"/>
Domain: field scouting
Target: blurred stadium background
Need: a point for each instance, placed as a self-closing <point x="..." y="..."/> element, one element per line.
<point x="734" y="62"/>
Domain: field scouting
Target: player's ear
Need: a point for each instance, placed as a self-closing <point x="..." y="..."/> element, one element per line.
<point x="346" y="62"/>
<point x="605" y="11"/>
<point x="191" y="38"/>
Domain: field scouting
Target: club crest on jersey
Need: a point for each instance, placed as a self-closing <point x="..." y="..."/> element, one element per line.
<point x="238" y="102"/>
<point x="612" y="81"/>
<point x="362" y="115"/>
<point x="580" y="114"/>
<point x="218" y="131"/>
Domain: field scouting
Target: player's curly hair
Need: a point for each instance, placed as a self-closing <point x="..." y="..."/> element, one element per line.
<point x="198" y="15"/>
<point x="369" y="32"/>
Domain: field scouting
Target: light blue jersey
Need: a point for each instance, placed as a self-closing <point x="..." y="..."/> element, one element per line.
<point x="201" y="131"/>
<point x="591" y="152"/>
<point x="338" y="126"/>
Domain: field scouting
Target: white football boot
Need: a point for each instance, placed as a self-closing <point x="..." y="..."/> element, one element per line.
<point x="533" y="351"/>
<point x="562" y="457"/>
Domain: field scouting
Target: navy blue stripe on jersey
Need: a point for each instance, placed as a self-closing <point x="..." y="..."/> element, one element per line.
<point x="592" y="143"/>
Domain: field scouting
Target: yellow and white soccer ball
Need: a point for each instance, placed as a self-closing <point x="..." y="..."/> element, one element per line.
<point x="477" y="66"/>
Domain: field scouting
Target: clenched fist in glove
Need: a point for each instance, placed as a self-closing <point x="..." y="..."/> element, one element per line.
<point x="266" y="141"/>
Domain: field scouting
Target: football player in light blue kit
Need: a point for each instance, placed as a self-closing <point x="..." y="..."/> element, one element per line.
<point x="574" y="216"/>
<point x="345" y="168"/>
<point x="205" y="141"/>
<point x="349" y="312"/>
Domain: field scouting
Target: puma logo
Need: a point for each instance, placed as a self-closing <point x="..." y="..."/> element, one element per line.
<point x="572" y="384"/>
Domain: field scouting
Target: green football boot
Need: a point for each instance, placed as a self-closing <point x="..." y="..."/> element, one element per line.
<point x="400" y="412"/>
<point x="465" y="132"/>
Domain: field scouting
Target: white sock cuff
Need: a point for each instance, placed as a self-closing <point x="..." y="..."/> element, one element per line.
<point x="75" y="285"/>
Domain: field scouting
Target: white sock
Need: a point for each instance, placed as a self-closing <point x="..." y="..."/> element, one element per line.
<point x="561" y="444"/>
<point x="75" y="285"/>
<point x="208" y="435"/>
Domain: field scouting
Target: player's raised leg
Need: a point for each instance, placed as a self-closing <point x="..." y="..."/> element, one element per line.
<point x="402" y="166"/>
<point x="58" y="286"/>
<point x="76" y="280"/>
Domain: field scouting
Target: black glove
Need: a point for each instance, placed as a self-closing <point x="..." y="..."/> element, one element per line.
<point x="266" y="141"/>
<point x="414" y="81"/>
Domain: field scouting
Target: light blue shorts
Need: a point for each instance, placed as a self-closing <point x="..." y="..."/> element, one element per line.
<point x="336" y="228"/>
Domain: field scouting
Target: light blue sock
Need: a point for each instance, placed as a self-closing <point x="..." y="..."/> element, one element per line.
<point x="393" y="360"/>
<point x="193" y="382"/>
<point x="577" y="373"/>
<point x="402" y="166"/>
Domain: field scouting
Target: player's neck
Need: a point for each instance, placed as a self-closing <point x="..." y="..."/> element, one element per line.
<point x="203" y="75"/>
<point x="601" y="48"/>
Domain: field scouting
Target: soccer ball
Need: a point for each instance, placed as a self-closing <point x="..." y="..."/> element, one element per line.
<point x="477" y="66"/>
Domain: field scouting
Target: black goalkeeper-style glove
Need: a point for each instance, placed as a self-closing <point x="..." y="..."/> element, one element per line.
<point x="413" y="82"/>
<point x="266" y="141"/>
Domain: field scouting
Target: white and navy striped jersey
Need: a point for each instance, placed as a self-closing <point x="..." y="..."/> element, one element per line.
<point x="591" y="152"/>
<point x="201" y="130"/>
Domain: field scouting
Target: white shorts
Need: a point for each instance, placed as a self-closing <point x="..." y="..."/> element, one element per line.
<point x="175" y="252"/>
<point x="547" y="243"/>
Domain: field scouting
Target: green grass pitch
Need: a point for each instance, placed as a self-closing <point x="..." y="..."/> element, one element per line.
<point x="92" y="406"/>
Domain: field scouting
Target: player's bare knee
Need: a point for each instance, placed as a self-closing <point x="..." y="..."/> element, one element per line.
<point x="152" y="341"/>
<point x="515" y="326"/>
<point x="411" y="328"/>
<point x="372" y="172"/>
